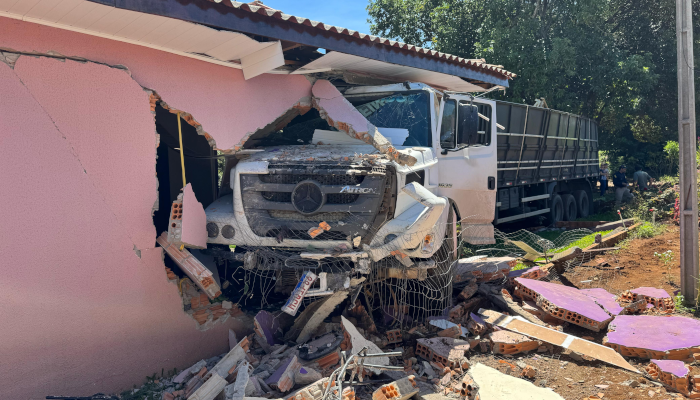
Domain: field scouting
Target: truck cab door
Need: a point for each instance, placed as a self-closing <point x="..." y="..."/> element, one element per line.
<point x="467" y="164"/>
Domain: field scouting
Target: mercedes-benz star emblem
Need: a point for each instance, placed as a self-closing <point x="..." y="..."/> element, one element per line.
<point x="307" y="197"/>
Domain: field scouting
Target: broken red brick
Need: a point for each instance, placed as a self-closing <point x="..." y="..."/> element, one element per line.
<point x="528" y="372"/>
<point x="453" y="332"/>
<point x="447" y="351"/>
<point x="401" y="389"/>
<point x="673" y="373"/>
<point x="394" y="336"/>
<point x="469" y="291"/>
<point x="329" y="360"/>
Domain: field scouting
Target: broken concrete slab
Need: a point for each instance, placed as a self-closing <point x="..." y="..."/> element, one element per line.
<point x="505" y="342"/>
<point x="313" y="315"/>
<point x="494" y="385"/>
<point x="564" y="303"/>
<point x="557" y="338"/>
<point x="447" y="351"/>
<point x="265" y="326"/>
<point x="483" y="269"/>
<point x="194" y="220"/>
<point x="358" y="342"/>
<point x="227" y="363"/>
<point x="306" y="375"/>
<point x="672" y="373"/>
<point x="401" y="389"/>
<point x="210" y="389"/>
<point x="342" y="115"/>
<point x="238" y="390"/>
<point x="194" y="269"/>
<point x="613" y="225"/>
<point x="604" y="299"/>
<point x="232" y="340"/>
<point x="655" y="337"/>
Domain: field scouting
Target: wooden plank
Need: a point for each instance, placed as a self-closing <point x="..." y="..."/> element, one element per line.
<point x="585" y="347"/>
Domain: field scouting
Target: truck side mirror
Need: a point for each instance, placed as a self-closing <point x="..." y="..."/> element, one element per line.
<point x="467" y="126"/>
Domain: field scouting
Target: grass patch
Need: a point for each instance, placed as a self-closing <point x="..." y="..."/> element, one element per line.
<point x="648" y="230"/>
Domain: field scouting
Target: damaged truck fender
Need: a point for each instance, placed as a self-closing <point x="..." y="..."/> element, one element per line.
<point x="419" y="230"/>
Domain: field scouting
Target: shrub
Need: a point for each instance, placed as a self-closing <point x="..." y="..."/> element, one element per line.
<point x="647" y="230"/>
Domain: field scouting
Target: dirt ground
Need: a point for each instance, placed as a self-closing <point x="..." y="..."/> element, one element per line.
<point x="575" y="379"/>
<point x="638" y="266"/>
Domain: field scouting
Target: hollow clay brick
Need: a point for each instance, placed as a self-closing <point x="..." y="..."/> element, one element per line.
<point x="564" y="303"/>
<point x="655" y="337"/>
<point x="505" y="342"/>
<point x="401" y="389"/>
<point x="673" y="373"/>
<point x="447" y="351"/>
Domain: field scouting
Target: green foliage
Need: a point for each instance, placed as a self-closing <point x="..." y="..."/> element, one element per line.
<point x="679" y="300"/>
<point x="611" y="60"/>
<point x="648" y="230"/>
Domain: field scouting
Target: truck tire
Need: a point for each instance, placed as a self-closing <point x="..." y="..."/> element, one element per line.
<point x="556" y="210"/>
<point x="583" y="203"/>
<point x="570" y="208"/>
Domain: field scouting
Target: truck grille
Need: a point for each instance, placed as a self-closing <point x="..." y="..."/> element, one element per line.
<point x="272" y="212"/>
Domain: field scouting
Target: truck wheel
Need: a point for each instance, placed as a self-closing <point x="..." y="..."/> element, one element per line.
<point x="556" y="210"/>
<point x="570" y="209"/>
<point x="583" y="203"/>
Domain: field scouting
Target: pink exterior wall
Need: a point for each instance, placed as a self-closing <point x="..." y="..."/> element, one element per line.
<point x="80" y="311"/>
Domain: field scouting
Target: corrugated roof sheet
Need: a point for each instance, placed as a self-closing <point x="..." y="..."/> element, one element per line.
<point x="261" y="9"/>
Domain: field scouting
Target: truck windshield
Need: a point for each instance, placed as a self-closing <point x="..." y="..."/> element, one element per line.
<point x="403" y="111"/>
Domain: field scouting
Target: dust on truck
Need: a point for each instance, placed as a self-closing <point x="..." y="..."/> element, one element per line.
<point x="307" y="195"/>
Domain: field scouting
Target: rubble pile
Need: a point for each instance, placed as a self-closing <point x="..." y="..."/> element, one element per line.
<point x="333" y="346"/>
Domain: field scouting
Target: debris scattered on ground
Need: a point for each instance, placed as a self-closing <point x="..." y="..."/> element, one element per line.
<point x="505" y="334"/>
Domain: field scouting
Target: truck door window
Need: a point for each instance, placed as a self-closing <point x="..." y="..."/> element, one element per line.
<point x="449" y="123"/>
<point x="484" y="124"/>
<point x="405" y="110"/>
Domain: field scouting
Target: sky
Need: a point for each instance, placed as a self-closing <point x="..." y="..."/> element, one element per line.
<point x="349" y="14"/>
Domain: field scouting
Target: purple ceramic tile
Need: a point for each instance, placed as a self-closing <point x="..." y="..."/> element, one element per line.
<point x="651" y="292"/>
<point x="605" y="299"/>
<point x="267" y="325"/>
<point x="674" y="367"/>
<point x="654" y="332"/>
<point x="566" y="297"/>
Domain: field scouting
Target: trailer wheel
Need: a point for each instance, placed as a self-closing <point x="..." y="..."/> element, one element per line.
<point x="570" y="208"/>
<point x="556" y="210"/>
<point x="583" y="203"/>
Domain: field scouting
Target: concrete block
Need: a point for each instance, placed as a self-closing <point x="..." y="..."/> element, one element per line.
<point x="505" y="342"/>
<point x="401" y="389"/>
<point x="654" y="337"/>
<point x="564" y="303"/>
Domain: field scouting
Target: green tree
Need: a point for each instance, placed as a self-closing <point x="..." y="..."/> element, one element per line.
<point x="611" y="60"/>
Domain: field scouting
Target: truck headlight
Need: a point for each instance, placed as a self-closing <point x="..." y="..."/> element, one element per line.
<point x="428" y="244"/>
<point x="212" y="230"/>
